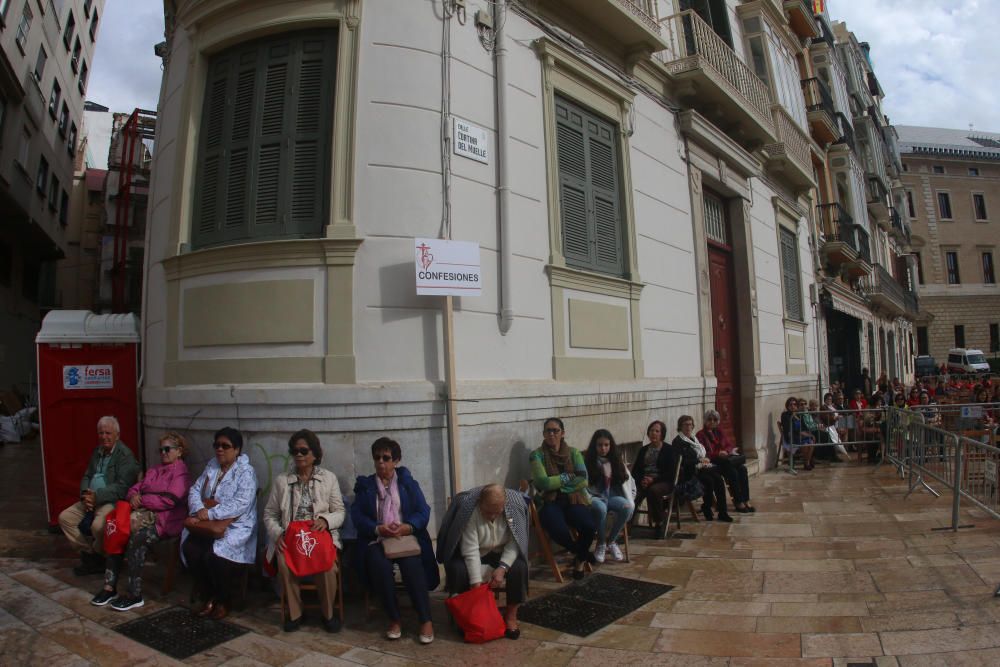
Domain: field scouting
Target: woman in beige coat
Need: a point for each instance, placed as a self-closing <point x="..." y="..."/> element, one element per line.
<point x="308" y="493"/>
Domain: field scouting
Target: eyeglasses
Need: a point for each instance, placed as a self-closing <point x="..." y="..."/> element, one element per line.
<point x="166" y="449"/>
<point x="384" y="458"/>
<point x="223" y="445"/>
<point x="552" y="431"/>
<point x="300" y="451"/>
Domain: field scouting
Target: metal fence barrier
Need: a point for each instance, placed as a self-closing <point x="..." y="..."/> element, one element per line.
<point x="860" y="430"/>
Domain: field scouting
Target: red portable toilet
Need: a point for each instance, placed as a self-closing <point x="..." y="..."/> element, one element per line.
<point x="87" y="368"/>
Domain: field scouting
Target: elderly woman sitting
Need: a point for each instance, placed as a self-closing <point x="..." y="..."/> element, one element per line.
<point x="159" y="506"/>
<point x="732" y="465"/>
<point x="308" y="493"/>
<point x="221" y="532"/>
<point x="391" y="515"/>
<point x="484" y="537"/>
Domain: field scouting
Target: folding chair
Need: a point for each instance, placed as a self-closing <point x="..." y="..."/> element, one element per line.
<point x="543" y="539"/>
<point x="310" y="586"/>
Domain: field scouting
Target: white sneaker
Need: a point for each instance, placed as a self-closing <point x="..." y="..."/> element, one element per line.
<point x="599" y="553"/>
<point x="616" y="553"/>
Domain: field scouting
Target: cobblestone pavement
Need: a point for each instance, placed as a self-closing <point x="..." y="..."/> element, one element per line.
<point x="835" y="568"/>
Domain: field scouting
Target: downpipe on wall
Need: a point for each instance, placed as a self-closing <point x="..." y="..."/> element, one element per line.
<point x="506" y="314"/>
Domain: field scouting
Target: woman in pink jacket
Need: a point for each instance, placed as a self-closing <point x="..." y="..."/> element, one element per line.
<point x="159" y="506"/>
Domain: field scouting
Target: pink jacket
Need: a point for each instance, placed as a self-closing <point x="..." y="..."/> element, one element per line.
<point x="715" y="441"/>
<point x="164" y="490"/>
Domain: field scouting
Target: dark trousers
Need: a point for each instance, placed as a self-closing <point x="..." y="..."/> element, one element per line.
<point x="139" y="544"/>
<point x="382" y="582"/>
<point x="213" y="574"/>
<point x="711" y="480"/>
<point x="557" y="519"/>
<point x="653" y="495"/>
<point x="517" y="576"/>
<point x="737" y="478"/>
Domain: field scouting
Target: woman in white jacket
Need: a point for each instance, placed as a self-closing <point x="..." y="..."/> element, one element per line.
<point x="307" y="493"/>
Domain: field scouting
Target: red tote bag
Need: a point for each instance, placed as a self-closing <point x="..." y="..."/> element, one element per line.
<point x="117" y="528"/>
<point x="307" y="551"/>
<point x="475" y="611"/>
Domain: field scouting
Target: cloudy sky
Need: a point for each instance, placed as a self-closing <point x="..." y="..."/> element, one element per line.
<point x="936" y="59"/>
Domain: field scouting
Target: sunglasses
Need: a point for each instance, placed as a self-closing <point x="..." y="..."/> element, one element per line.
<point x="552" y="431"/>
<point x="223" y="445"/>
<point x="384" y="458"/>
<point x="166" y="449"/>
<point x="300" y="451"/>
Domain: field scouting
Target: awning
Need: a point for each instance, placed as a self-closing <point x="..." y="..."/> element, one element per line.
<point x="849" y="307"/>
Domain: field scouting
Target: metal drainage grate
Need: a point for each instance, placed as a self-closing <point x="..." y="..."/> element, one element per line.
<point x="585" y="607"/>
<point x="177" y="633"/>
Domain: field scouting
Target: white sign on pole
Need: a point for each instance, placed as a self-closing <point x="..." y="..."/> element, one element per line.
<point x="447" y="268"/>
<point x="470" y="141"/>
<point x="88" y="377"/>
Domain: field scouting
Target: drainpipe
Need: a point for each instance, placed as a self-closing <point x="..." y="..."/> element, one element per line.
<point x="503" y="151"/>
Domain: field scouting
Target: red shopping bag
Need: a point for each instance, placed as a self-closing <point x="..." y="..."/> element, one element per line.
<point x="117" y="528"/>
<point x="308" y="551"/>
<point x="475" y="611"/>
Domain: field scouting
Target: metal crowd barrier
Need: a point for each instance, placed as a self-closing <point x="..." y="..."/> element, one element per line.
<point x="966" y="461"/>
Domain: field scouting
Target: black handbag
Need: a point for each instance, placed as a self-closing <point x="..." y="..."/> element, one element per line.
<point x="737" y="459"/>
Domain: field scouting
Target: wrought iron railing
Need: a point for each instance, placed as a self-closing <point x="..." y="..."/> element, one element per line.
<point x="644" y="10"/>
<point x="884" y="283"/>
<point x="836" y="224"/>
<point x="825" y="34"/>
<point x="818" y="97"/>
<point x="694" y="45"/>
<point x="877" y="192"/>
<point x="864" y="244"/>
<point x="846" y="131"/>
<point x="794" y="140"/>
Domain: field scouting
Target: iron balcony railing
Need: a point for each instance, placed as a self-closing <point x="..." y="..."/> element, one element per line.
<point x="836" y="224"/>
<point x="864" y="244"/>
<point x="846" y="131"/>
<point x="818" y="97"/>
<point x="896" y="224"/>
<point x="882" y="283"/>
<point x="825" y="34"/>
<point x="644" y="10"/>
<point x="792" y="138"/>
<point x="694" y="45"/>
<point x="877" y="191"/>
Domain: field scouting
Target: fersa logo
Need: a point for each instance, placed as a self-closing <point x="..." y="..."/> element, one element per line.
<point x="87" y="376"/>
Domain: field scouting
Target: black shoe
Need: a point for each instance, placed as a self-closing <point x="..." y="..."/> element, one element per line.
<point x="512" y="634"/>
<point x="707" y="511"/>
<point x="660" y="532"/>
<point x="125" y="602"/>
<point x="102" y="598"/>
<point x="292" y="626"/>
<point x="723" y="516"/>
<point x="743" y="510"/>
<point x="751" y="508"/>
<point x="331" y="624"/>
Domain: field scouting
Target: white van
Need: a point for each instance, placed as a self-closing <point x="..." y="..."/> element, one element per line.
<point x="962" y="360"/>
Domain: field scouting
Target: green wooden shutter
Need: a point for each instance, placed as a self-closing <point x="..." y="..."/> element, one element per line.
<point x="589" y="190"/>
<point x="266" y="139"/>
<point x="790" y="275"/>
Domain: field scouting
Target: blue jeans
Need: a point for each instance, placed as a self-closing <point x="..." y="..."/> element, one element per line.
<point x="622" y="509"/>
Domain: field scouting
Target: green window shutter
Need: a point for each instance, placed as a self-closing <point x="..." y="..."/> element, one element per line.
<point x="589" y="190"/>
<point x="790" y="275"/>
<point x="263" y="158"/>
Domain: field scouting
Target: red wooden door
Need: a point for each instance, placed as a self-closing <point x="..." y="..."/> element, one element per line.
<point x="725" y="340"/>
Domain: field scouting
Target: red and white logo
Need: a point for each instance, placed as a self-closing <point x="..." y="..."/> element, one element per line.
<point x="426" y="258"/>
<point x="305" y="543"/>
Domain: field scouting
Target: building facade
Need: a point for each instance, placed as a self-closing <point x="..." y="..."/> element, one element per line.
<point x="952" y="181"/>
<point x="46" y="49"/>
<point x="863" y="285"/>
<point x="645" y="207"/>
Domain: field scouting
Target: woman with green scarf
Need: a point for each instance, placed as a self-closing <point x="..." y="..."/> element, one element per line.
<point x="559" y="475"/>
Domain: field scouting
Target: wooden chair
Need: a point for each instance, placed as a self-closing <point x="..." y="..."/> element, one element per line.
<point x="310" y="586"/>
<point x="543" y="539"/>
<point x="172" y="557"/>
<point x="671" y="503"/>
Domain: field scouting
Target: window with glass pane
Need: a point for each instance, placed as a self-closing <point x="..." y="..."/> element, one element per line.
<point x="910" y="208"/>
<point x="923" y="345"/>
<point x="988" y="276"/>
<point x="82" y="84"/>
<point x="70" y="29"/>
<point x="64" y="209"/>
<point x="944" y="205"/>
<point x="264" y="147"/>
<point x="951" y="262"/>
<point x="589" y="190"/>
<point x="937" y="169"/>
<point x="93" y="26"/>
<point x="54" y="98"/>
<point x="979" y="205"/>
<point x="716" y="224"/>
<point x="995" y="337"/>
<point x="920" y="267"/>
<point x="42" y="179"/>
<point x="791" y="281"/>
<point x="40" y="61"/>
<point x="53" y="193"/>
<point x="973" y="171"/>
<point x="75" y="60"/>
<point x="959" y="335"/>
<point x="63" y="119"/>
<point x="23" y="27"/>
<point x="71" y="142"/>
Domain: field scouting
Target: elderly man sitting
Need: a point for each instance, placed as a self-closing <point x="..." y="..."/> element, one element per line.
<point x="112" y="470"/>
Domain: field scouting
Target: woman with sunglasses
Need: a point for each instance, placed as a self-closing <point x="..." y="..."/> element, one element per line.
<point x="306" y="493"/>
<point x="559" y="475"/>
<point x="159" y="505"/>
<point x="793" y="434"/>
<point x="224" y="495"/>
<point x="390" y="513"/>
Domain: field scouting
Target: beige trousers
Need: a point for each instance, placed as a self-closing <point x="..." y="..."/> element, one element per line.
<point x="326" y="588"/>
<point x="69" y="521"/>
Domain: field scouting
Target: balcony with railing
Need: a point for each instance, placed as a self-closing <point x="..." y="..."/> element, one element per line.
<point x="800" y="18"/>
<point x="878" y="198"/>
<point x="711" y="77"/>
<point x="790" y="156"/>
<point x="824" y="35"/>
<point x="846" y="131"/>
<point x="886" y="294"/>
<point x="821" y="112"/>
<point x="844" y="245"/>
<point x="899" y="229"/>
